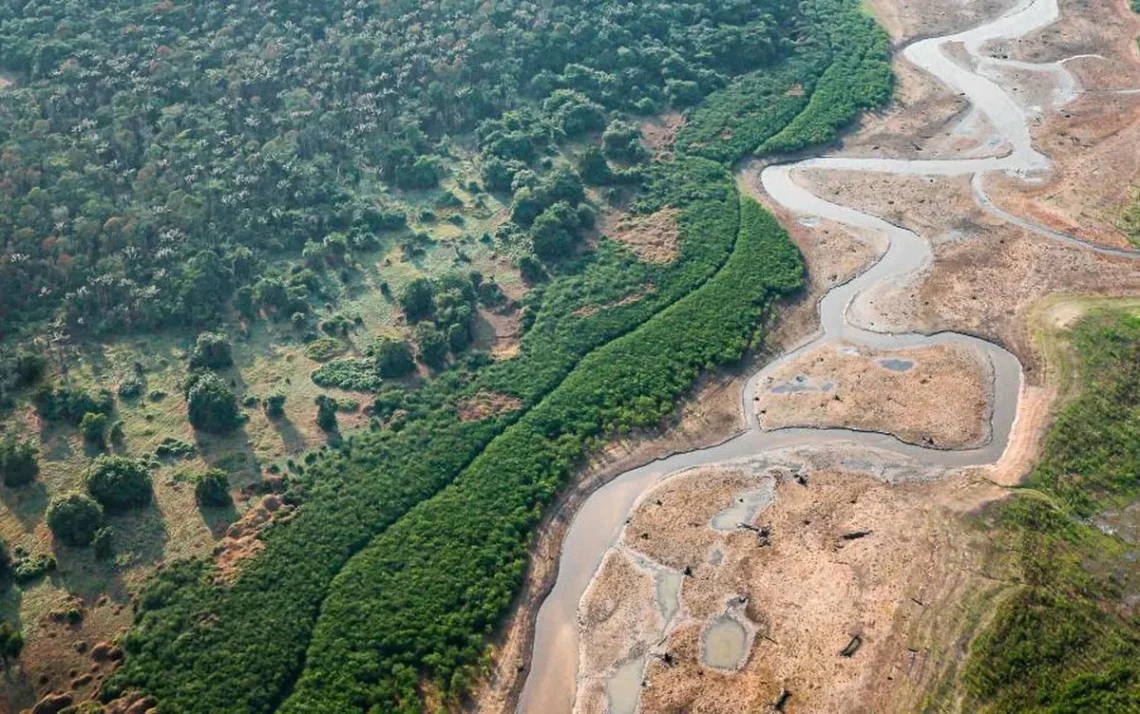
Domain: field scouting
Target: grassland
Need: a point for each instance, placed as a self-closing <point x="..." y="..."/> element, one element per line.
<point x="1067" y="640"/>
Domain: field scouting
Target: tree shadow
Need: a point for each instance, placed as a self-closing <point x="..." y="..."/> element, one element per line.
<point x="290" y="435"/>
<point x="219" y="518"/>
<point x="27" y="503"/>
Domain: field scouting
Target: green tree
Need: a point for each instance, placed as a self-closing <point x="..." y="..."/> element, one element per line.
<point x="393" y="357"/>
<point x="211" y="405"/>
<point x="18" y="461"/>
<point x="119" y="483"/>
<point x="622" y="142"/>
<point x="275" y="405"/>
<point x="11" y="642"/>
<point x="418" y="300"/>
<point x="212" y="489"/>
<point x="211" y="351"/>
<point x="326" y="413"/>
<point x="433" y="346"/>
<point x="73" y="518"/>
<point x="93" y="427"/>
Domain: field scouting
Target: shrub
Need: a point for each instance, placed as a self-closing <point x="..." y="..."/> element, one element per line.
<point x="418" y="300"/>
<point x="118" y="482"/>
<point x="11" y="642"/>
<point x="433" y="346"/>
<point x="93" y="427"/>
<point x="393" y="357"/>
<point x="32" y="567"/>
<point x="74" y="518"/>
<point x="211" y="351"/>
<point x="71" y="405"/>
<point x="18" y="462"/>
<point x="323" y="349"/>
<point x="212" y="406"/>
<point x="348" y="373"/>
<point x="117" y="434"/>
<point x="622" y="142"/>
<point x="326" y="413"/>
<point x="131" y="387"/>
<point x="212" y="489"/>
<point x="275" y="405"/>
<point x="5" y="561"/>
<point x="103" y="543"/>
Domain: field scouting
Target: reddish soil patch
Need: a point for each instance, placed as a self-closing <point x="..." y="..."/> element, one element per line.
<point x="487" y="404"/>
<point x="655" y="237"/>
<point x="659" y="134"/>
<point x="640" y="293"/>
<point x="242" y="542"/>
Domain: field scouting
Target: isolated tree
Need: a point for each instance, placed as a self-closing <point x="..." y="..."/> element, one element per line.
<point x="211" y="405"/>
<point x="93" y="427"/>
<point x="11" y="642"/>
<point x="73" y="518"/>
<point x="18" y="461"/>
<point x="326" y="413"/>
<point x="275" y="405"/>
<point x="622" y="142"/>
<point x="212" y="489"/>
<point x="211" y="351"/>
<point x="119" y="482"/>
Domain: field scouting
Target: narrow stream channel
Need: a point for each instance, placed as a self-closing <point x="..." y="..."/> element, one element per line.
<point x="550" y="686"/>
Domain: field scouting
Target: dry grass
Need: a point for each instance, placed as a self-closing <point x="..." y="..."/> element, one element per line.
<point x="655" y="238"/>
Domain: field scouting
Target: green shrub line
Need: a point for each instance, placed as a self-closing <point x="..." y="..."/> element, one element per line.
<point x="839" y="68"/>
<point x="1063" y="641"/>
<point x="423" y="595"/>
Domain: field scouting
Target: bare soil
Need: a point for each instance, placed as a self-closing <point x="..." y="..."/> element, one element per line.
<point x="937" y="396"/>
<point x="655" y="237"/>
<point x="487" y="404"/>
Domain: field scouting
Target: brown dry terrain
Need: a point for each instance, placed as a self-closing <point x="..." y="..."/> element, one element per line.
<point x="935" y="396"/>
<point x="846" y="556"/>
<point x="655" y="237"/>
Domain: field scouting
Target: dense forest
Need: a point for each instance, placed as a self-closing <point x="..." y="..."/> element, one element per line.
<point x="200" y="164"/>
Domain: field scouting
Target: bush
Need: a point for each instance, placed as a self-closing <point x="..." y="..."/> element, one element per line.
<point x="393" y="358"/>
<point x="103" y="543"/>
<point x="352" y="374"/>
<point x="11" y="642"/>
<point x="275" y="405"/>
<point x="93" y="427"/>
<point x="622" y="142"/>
<point x="131" y="387"/>
<point x="18" y="462"/>
<point x="119" y="483"/>
<point x="323" y="349"/>
<point x="71" y="405"/>
<point x="211" y="351"/>
<point x="211" y="405"/>
<point x="74" y="518"/>
<point x="326" y="413"/>
<point x="418" y="300"/>
<point x="433" y="346"/>
<point x="212" y="489"/>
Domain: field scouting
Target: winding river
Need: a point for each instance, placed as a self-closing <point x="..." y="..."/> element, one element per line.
<point x="550" y="687"/>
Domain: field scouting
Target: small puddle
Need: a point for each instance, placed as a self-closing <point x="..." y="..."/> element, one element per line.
<point x="744" y="507"/>
<point x="623" y="688"/>
<point x="798" y="385"/>
<point x="897" y="365"/>
<point x="669" y="593"/>
<point x="724" y="644"/>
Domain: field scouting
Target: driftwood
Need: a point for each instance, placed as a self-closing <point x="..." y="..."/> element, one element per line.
<point x="801" y="479"/>
<point x="856" y="535"/>
<point x="852" y="646"/>
<point x="763" y="534"/>
<point x="782" y="701"/>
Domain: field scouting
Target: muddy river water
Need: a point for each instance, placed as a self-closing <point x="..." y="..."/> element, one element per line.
<point x="551" y="685"/>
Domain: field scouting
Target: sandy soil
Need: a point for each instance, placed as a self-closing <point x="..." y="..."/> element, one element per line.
<point x="817" y="585"/>
<point x="935" y="396"/>
<point x="985" y="273"/>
